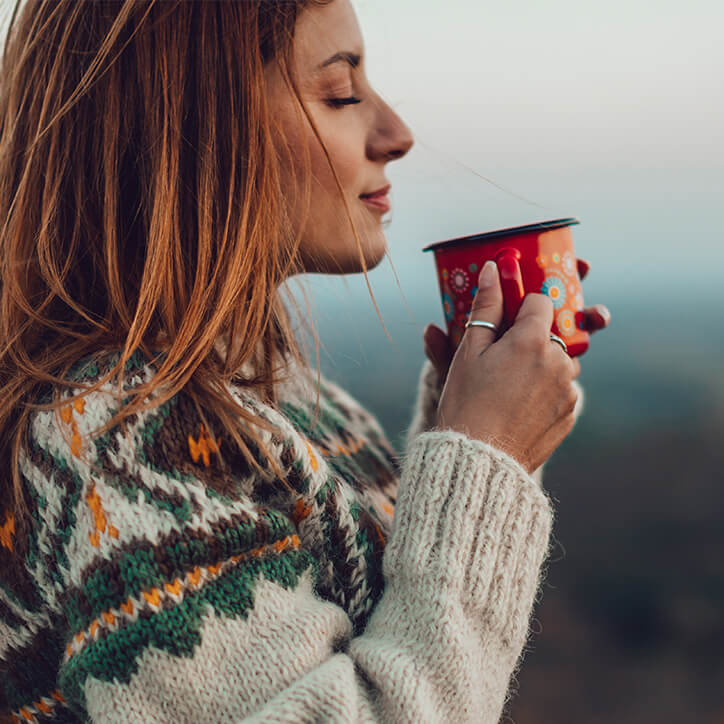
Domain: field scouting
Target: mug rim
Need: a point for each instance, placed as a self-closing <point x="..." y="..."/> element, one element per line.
<point x="508" y="231"/>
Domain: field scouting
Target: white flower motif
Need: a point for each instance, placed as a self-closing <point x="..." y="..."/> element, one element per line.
<point x="459" y="280"/>
<point x="566" y="322"/>
<point x="569" y="264"/>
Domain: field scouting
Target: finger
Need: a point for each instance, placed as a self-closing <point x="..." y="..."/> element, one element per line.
<point x="576" y="365"/>
<point x="596" y="318"/>
<point x="438" y="349"/>
<point x="536" y="314"/>
<point x="583" y="268"/>
<point x="487" y="307"/>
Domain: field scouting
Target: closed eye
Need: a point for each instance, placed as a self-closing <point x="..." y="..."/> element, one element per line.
<point x="337" y="102"/>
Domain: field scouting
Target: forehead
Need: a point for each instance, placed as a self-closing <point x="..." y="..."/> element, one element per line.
<point x="322" y="31"/>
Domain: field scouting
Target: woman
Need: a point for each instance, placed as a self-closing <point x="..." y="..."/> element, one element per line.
<point x="193" y="527"/>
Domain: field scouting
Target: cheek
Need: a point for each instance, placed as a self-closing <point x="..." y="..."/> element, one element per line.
<point x="346" y="151"/>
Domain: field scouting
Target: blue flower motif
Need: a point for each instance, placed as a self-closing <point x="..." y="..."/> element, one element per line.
<point x="448" y="307"/>
<point x="554" y="287"/>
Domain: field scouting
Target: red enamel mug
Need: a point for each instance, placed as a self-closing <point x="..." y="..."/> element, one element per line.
<point x="533" y="258"/>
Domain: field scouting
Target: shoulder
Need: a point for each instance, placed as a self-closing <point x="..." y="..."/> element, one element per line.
<point x="339" y="408"/>
<point x="132" y="502"/>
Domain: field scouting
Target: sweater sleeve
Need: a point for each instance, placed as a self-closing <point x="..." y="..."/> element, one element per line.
<point x="183" y="607"/>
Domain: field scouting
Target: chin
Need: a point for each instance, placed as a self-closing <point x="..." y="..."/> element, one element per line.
<point x="348" y="262"/>
<point x="348" y="266"/>
<point x="373" y="257"/>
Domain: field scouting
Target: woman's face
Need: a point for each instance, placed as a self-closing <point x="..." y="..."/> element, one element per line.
<point x="361" y="133"/>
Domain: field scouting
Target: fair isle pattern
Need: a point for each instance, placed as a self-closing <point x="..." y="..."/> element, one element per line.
<point x="147" y="480"/>
<point x="43" y="708"/>
<point x="154" y="599"/>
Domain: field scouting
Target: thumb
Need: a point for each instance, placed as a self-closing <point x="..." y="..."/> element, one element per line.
<point x="487" y="307"/>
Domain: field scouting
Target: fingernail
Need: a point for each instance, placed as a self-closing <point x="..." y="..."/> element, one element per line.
<point x="488" y="274"/>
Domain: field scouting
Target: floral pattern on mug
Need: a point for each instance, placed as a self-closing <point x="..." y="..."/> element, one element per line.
<point x="566" y="322"/>
<point x="459" y="281"/>
<point x="448" y="307"/>
<point x="554" y="287"/>
<point x="569" y="265"/>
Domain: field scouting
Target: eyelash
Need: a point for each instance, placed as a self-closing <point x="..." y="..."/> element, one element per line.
<point x="338" y="102"/>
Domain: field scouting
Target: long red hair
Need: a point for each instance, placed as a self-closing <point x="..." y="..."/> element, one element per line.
<point x="141" y="206"/>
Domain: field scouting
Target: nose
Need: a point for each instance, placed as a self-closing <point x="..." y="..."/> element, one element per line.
<point x="390" y="138"/>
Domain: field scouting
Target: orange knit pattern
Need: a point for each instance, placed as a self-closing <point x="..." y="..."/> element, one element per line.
<point x="99" y="517"/>
<point x="203" y="447"/>
<point x="66" y="414"/>
<point x="6" y="532"/>
<point x="45" y="705"/>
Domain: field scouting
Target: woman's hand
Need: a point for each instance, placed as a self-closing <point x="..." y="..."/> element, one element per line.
<point x="440" y="351"/>
<point x="516" y="393"/>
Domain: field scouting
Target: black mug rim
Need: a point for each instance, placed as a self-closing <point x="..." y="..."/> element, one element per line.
<point x="509" y="231"/>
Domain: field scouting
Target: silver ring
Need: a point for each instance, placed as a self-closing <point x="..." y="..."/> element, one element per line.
<point x="558" y="340"/>
<point x="480" y="323"/>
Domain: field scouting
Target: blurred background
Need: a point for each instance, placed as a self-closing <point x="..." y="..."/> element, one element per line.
<point x="612" y="113"/>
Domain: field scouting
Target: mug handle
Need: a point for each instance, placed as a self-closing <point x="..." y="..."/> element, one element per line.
<point x="511" y="281"/>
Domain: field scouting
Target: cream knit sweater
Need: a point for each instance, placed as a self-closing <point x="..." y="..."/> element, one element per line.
<point x="144" y="596"/>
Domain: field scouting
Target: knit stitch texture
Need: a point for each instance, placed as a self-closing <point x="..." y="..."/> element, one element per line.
<point x="379" y="588"/>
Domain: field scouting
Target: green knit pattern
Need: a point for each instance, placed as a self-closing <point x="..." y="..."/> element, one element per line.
<point x="139" y="534"/>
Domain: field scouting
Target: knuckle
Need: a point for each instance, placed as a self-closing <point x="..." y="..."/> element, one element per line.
<point x="564" y="408"/>
<point x="528" y="343"/>
<point x="546" y="302"/>
<point x="531" y="336"/>
<point x="541" y="303"/>
<point x="571" y="398"/>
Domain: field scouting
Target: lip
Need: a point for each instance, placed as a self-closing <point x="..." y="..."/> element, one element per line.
<point x="378" y="199"/>
<point x="380" y="192"/>
<point x="381" y="203"/>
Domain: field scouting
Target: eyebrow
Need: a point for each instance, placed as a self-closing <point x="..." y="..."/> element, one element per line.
<point x="352" y="58"/>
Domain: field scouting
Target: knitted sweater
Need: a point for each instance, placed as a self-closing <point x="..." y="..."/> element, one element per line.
<point x="146" y="596"/>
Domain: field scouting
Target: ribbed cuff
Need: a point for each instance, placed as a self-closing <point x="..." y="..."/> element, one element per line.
<point x="470" y="525"/>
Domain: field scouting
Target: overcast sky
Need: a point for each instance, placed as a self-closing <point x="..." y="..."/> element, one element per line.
<point x="599" y="79"/>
